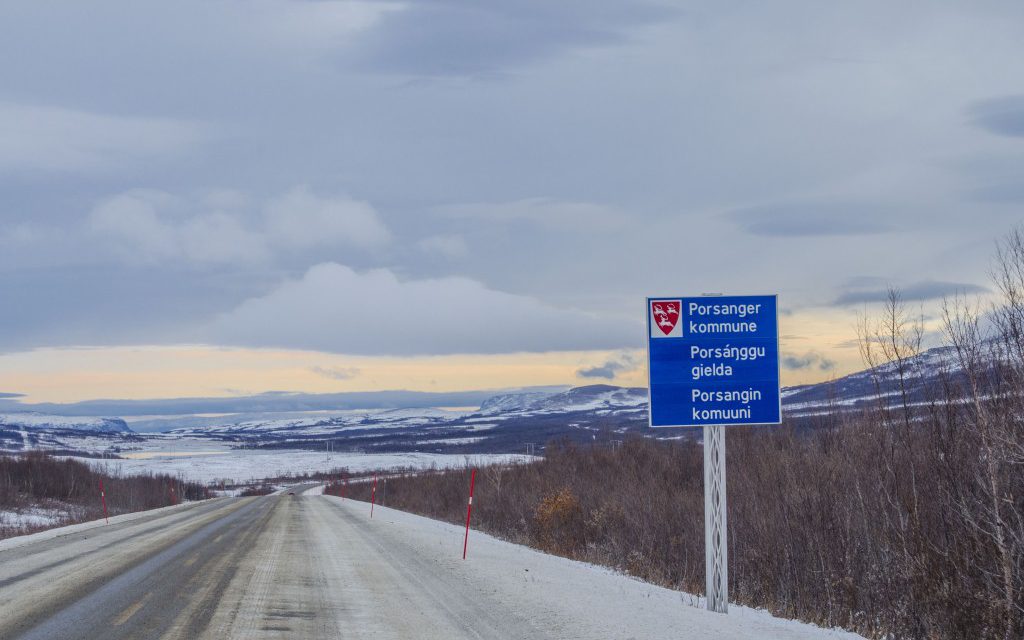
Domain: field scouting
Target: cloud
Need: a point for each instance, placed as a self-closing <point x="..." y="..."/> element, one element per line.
<point x="154" y="227"/>
<point x="336" y="373"/>
<point x="609" y="369"/>
<point x="548" y="213"/>
<point x="1002" y="193"/>
<point x="9" y="396"/>
<point x="857" y="282"/>
<point x="131" y="222"/>
<point x="448" y="246"/>
<point x="317" y="27"/>
<point x="809" y="360"/>
<point x="796" y="220"/>
<point x="57" y="139"/>
<point x="300" y="219"/>
<point x="273" y="401"/>
<point x="470" y="39"/>
<point x="136" y="228"/>
<point x="337" y="309"/>
<point x="1003" y="116"/>
<point x="918" y="291"/>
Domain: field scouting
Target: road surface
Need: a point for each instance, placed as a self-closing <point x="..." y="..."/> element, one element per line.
<point x="313" y="566"/>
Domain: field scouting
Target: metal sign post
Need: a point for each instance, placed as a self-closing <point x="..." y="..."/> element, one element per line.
<point x="716" y="551"/>
<point x="713" y="362"/>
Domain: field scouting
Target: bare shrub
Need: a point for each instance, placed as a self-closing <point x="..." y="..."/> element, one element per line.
<point x="558" y="523"/>
<point x="37" y="480"/>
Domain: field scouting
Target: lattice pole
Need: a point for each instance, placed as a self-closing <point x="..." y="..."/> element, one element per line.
<point x="715" y="542"/>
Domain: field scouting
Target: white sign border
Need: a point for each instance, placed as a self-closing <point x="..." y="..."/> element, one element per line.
<point x="647" y="348"/>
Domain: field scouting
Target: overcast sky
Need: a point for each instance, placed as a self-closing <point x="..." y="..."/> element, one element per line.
<point x="453" y="193"/>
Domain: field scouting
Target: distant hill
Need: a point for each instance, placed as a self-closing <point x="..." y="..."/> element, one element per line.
<point x="923" y="377"/>
<point x="506" y="422"/>
<point x="595" y="397"/>
<point x="25" y="431"/>
<point x="40" y="422"/>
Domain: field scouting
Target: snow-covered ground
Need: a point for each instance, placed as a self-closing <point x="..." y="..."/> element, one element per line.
<point x="562" y="598"/>
<point x="451" y="441"/>
<point x="31" y="518"/>
<point x="198" y="461"/>
<point x="34" y="420"/>
<point x="58" y="532"/>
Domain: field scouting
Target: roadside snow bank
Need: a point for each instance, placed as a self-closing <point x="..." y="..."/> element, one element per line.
<point x="577" y="599"/>
<point x="49" y="534"/>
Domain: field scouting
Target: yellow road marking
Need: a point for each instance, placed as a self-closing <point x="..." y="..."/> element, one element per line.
<point x="131" y="611"/>
<point x="218" y="538"/>
<point x="191" y="561"/>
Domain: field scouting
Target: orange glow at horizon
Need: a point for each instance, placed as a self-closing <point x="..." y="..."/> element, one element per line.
<point x="159" y="372"/>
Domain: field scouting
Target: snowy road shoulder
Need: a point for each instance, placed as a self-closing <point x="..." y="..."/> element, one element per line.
<point x="575" y="599"/>
<point x="49" y="534"/>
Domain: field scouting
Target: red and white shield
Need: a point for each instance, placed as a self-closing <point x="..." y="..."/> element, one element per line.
<point x="665" y="315"/>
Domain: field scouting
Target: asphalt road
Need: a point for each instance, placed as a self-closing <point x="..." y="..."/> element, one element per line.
<point x="315" y="567"/>
<point x="281" y="566"/>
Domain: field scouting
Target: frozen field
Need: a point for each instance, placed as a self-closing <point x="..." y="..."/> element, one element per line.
<point x="199" y="461"/>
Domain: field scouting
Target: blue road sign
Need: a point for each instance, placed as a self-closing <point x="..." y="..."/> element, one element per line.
<point x="713" y="360"/>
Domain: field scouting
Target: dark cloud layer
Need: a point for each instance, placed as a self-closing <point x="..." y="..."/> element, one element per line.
<point x="1003" y="116"/>
<point x="609" y="369"/>
<point x="916" y="292"/>
<point x="271" y="401"/>
<point x="798" y="220"/>
<point x="1003" y="192"/>
<point x="467" y="38"/>
<point x="807" y="361"/>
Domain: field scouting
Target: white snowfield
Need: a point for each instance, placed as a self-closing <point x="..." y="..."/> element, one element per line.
<point x="31" y="517"/>
<point x="33" y="420"/>
<point x="317" y="567"/>
<point x="243" y="465"/>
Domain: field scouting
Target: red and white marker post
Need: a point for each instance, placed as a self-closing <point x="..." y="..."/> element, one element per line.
<point x="103" y="498"/>
<point x="373" y="495"/>
<point x="469" y="512"/>
<point x="344" y="486"/>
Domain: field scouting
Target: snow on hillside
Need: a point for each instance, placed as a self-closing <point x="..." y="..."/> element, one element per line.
<point x="923" y="373"/>
<point x="37" y="421"/>
<point x="503" y="423"/>
<point x="512" y="402"/>
<point x="241" y="465"/>
<point x="324" y="425"/>
<point x="598" y="397"/>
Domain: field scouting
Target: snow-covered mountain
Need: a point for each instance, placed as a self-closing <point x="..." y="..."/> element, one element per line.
<point x="38" y="421"/>
<point x="512" y="402"/>
<point x="504" y="423"/>
<point x="923" y="376"/>
<point x="27" y="431"/>
<point x="597" y="397"/>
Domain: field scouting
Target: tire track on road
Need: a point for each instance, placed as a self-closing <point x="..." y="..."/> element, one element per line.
<point x="90" y="614"/>
<point x="434" y="599"/>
